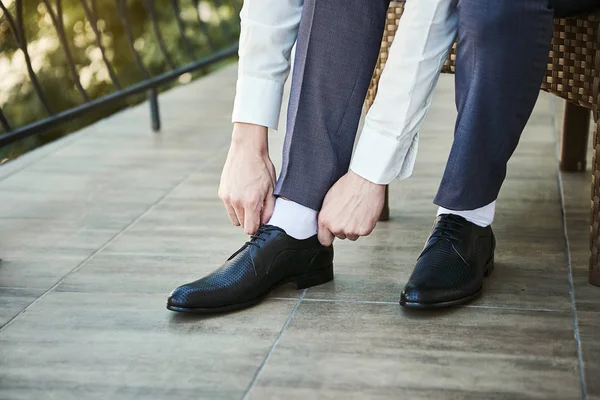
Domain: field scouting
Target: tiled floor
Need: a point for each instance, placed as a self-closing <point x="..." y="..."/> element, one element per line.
<point x="97" y="228"/>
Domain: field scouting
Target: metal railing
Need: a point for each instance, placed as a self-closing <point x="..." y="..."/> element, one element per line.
<point x="188" y="45"/>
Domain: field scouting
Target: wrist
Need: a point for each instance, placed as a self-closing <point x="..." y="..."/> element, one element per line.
<point x="250" y="136"/>
<point x="364" y="180"/>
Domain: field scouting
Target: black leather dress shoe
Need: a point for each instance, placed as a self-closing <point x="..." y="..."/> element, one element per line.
<point x="451" y="268"/>
<point x="270" y="259"/>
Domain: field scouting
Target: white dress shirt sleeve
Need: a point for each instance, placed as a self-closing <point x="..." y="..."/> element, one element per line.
<point x="388" y="144"/>
<point x="269" y="29"/>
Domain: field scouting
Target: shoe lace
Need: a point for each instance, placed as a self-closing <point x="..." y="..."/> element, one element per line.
<point x="259" y="236"/>
<point x="448" y="227"/>
<point x="255" y="240"/>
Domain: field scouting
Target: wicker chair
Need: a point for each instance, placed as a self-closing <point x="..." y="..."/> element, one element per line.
<point x="574" y="75"/>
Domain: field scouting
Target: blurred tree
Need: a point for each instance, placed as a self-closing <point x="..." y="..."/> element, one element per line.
<point x="85" y="49"/>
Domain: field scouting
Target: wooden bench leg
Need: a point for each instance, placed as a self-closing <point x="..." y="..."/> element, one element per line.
<point x="385" y="213"/>
<point x="594" y="277"/>
<point x="576" y="128"/>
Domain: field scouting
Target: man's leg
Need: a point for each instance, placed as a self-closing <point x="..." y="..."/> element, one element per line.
<point x="500" y="65"/>
<point x="502" y="53"/>
<point x="337" y="48"/>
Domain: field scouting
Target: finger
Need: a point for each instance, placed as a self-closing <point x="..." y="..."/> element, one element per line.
<point x="268" y="207"/>
<point x="325" y="236"/>
<point x="340" y="235"/>
<point x="251" y="220"/>
<point x="239" y="213"/>
<point x="353" y="238"/>
<point x="370" y="230"/>
<point x="273" y="174"/>
<point x="231" y="213"/>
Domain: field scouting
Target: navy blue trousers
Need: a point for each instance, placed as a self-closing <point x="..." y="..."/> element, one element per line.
<point x="502" y="54"/>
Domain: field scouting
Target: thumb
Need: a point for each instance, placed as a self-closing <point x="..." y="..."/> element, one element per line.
<point x="268" y="207"/>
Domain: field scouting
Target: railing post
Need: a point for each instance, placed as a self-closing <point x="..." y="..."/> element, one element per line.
<point x="154" y="111"/>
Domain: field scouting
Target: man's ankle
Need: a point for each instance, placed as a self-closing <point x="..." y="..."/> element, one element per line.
<point x="483" y="216"/>
<point x="298" y="221"/>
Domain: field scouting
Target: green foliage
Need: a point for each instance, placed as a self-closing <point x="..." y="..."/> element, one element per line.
<point x="208" y="26"/>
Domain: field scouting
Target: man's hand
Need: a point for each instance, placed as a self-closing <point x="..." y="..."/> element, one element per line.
<point x="351" y="209"/>
<point x="248" y="178"/>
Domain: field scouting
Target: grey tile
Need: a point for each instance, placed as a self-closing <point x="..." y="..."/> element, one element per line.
<point x="587" y="296"/>
<point x="378" y="351"/>
<point x="33" y="238"/>
<point x="589" y="330"/>
<point x="200" y="215"/>
<point x="15" y="300"/>
<point x="101" y="215"/>
<point x="122" y="273"/>
<point x="577" y="212"/>
<point x="39" y="272"/>
<point x="576" y="195"/>
<point x="75" y="345"/>
<point x="182" y="227"/>
<point x="200" y="186"/>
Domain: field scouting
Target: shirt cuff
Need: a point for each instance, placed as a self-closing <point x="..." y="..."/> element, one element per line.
<point x="257" y="101"/>
<point x="381" y="159"/>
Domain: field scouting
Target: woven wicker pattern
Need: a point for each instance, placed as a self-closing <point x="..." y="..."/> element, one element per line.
<point x="391" y="26"/>
<point x="573" y="66"/>
<point x="573" y="74"/>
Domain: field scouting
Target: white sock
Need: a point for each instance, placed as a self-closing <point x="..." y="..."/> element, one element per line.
<point x="483" y="216"/>
<point x="296" y="220"/>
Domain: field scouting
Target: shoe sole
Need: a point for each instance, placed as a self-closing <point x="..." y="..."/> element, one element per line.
<point x="489" y="268"/>
<point x="444" y="304"/>
<point x="302" y="282"/>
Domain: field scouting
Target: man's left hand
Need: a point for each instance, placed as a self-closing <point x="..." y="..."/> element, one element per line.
<point x="351" y="209"/>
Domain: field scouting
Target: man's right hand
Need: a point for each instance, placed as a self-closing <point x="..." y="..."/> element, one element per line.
<point x="248" y="178"/>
